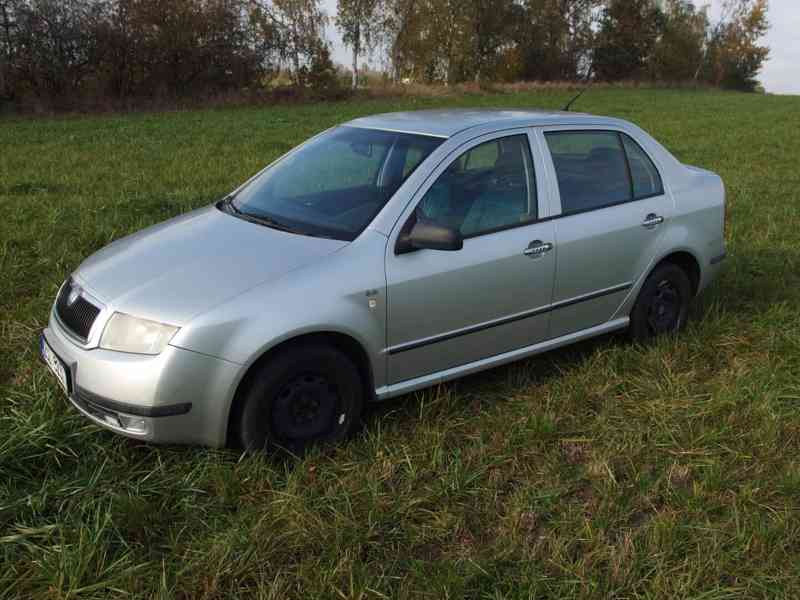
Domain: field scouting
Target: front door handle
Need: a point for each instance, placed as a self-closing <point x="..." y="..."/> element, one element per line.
<point x="651" y="220"/>
<point x="537" y="248"/>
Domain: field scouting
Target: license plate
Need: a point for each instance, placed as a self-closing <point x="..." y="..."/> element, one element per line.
<point x="56" y="365"/>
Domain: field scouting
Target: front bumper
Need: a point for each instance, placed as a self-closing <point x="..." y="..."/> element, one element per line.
<point x="178" y="396"/>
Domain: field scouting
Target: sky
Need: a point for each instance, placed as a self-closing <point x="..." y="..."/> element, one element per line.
<point x="781" y="72"/>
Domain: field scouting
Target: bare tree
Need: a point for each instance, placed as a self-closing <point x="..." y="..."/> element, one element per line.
<point x="356" y="20"/>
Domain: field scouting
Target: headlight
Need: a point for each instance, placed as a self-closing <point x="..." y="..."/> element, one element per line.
<point x="125" y="333"/>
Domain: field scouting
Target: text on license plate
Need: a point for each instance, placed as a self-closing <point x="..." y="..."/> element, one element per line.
<point x="55" y="364"/>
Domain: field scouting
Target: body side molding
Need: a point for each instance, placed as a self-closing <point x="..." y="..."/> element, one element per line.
<point x="413" y="345"/>
<point x="410" y="385"/>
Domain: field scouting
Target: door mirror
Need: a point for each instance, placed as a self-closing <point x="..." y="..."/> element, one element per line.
<point x="432" y="236"/>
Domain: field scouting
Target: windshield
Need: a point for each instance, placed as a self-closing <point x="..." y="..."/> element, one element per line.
<point x="334" y="185"/>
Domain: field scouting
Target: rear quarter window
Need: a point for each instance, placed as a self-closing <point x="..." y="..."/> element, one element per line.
<point x="646" y="179"/>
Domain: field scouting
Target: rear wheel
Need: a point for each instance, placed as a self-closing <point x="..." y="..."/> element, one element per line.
<point x="663" y="303"/>
<point x="307" y="395"/>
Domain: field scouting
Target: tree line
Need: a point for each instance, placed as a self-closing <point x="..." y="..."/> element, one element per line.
<point x="454" y="41"/>
<point x="63" y="51"/>
<point x="67" y="51"/>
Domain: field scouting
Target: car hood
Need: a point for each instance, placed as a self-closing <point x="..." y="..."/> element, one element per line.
<point x="185" y="266"/>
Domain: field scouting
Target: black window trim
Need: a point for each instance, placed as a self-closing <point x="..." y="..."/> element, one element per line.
<point x="627" y="167"/>
<point x="633" y="197"/>
<point x="502" y="228"/>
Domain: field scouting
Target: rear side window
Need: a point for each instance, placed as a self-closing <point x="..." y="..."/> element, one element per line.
<point x="600" y="168"/>
<point x="646" y="180"/>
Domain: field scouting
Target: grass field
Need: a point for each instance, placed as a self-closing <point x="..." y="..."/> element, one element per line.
<point x="604" y="470"/>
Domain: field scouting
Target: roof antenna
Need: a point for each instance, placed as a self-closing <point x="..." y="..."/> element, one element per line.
<point x="583" y="91"/>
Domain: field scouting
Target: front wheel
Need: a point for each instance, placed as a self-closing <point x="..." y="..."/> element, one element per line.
<point x="663" y="304"/>
<point x="307" y="395"/>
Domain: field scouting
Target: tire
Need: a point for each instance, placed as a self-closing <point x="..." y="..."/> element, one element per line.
<point x="663" y="304"/>
<point x="307" y="395"/>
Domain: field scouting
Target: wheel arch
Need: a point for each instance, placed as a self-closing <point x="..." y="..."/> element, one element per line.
<point x="686" y="261"/>
<point x="343" y="342"/>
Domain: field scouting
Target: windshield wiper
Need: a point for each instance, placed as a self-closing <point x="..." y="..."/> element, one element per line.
<point x="228" y="204"/>
<point x="267" y="221"/>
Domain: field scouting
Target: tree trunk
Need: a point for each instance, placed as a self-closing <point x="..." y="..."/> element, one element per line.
<point x="406" y="12"/>
<point x="295" y="49"/>
<point x="296" y="60"/>
<point x="478" y="41"/>
<point x="5" y="52"/>
<point x="700" y="65"/>
<point x="356" y="52"/>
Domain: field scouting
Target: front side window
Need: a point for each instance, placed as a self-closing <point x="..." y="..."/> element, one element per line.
<point x="600" y="168"/>
<point x="336" y="184"/>
<point x="488" y="188"/>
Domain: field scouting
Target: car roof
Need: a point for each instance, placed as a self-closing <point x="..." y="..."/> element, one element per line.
<point x="448" y="122"/>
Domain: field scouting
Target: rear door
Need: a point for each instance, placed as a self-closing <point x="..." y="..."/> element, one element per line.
<point x="613" y="210"/>
<point x="447" y="309"/>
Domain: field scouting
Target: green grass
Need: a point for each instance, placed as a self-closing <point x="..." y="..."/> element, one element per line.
<point x="604" y="470"/>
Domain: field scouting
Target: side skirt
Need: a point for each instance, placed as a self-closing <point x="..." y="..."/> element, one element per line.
<point x="410" y="385"/>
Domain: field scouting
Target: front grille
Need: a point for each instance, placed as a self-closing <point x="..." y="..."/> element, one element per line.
<point x="79" y="316"/>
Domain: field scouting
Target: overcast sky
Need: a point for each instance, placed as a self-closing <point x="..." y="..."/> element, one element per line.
<point x="781" y="73"/>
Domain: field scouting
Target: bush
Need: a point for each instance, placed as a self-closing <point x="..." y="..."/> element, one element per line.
<point x="320" y="80"/>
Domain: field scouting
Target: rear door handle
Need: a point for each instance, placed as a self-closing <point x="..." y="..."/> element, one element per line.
<point x="651" y="220"/>
<point x="537" y="248"/>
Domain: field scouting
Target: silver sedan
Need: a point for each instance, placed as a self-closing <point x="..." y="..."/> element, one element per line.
<point x="380" y="257"/>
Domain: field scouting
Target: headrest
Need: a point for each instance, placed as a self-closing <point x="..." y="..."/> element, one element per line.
<point x="510" y="159"/>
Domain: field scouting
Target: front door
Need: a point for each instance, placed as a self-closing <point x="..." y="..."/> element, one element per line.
<point x="450" y="308"/>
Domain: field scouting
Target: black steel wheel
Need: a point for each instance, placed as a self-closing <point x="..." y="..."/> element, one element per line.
<point x="305" y="407"/>
<point x="663" y="303"/>
<point x="306" y="395"/>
